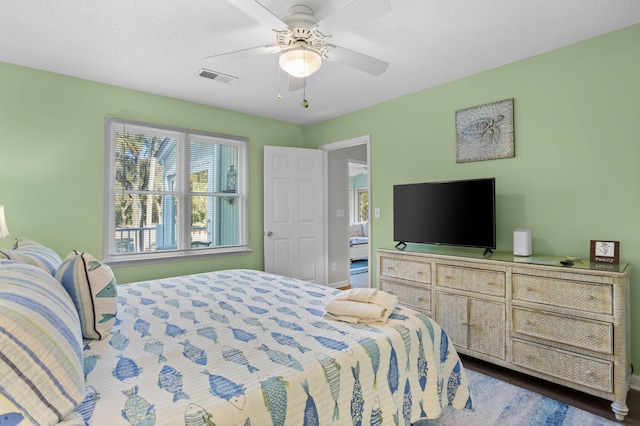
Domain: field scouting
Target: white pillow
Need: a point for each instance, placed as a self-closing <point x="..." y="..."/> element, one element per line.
<point x="365" y="229"/>
<point x="41" y="367"/>
<point x="92" y="287"/>
<point x="355" y="230"/>
<point x="32" y="253"/>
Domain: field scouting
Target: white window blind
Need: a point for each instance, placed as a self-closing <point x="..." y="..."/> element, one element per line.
<point x="173" y="192"/>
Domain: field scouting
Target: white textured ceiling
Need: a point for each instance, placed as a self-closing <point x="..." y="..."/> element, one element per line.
<point x="158" y="46"/>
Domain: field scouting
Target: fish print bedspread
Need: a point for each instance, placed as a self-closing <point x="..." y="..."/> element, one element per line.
<point x="244" y="347"/>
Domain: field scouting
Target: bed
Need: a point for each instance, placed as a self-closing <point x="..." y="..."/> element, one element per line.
<point x="245" y="347"/>
<point x="358" y="241"/>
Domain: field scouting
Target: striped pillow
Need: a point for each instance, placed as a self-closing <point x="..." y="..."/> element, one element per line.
<point x="92" y="288"/>
<point x="32" y="253"/>
<point x="41" y="365"/>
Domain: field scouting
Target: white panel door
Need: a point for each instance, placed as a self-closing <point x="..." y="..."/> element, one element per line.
<point x="294" y="213"/>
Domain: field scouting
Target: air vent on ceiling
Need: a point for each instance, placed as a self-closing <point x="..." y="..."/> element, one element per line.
<point x="217" y="76"/>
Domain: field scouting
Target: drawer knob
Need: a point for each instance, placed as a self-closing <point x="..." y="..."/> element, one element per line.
<point x="420" y="273"/>
<point x="529" y="288"/>
<point x="390" y="268"/>
<point x="590" y="297"/>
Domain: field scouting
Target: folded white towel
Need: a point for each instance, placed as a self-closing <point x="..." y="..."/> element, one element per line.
<point x="349" y="306"/>
<point x="354" y="320"/>
<point x="360" y="294"/>
<point x="355" y="309"/>
<point x="369" y="295"/>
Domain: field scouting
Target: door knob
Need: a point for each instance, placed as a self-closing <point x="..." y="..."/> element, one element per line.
<point x="269" y="234"/>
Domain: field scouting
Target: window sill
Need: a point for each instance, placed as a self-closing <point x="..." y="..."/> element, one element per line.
<point x="173" y="255"/>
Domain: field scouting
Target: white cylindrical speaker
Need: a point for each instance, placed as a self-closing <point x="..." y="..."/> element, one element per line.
<point x="522" y="242"/>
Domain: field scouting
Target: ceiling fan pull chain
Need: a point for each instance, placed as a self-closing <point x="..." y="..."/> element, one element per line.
<point x="304" y="103"/>
<point x="279" y="96"/>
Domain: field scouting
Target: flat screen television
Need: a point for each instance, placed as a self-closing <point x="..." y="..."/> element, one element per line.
<point x="455" y="213"/>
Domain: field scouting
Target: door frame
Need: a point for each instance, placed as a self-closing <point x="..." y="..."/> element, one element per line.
<point x="348" y="143"/>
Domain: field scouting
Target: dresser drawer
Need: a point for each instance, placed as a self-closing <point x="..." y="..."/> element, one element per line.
<point x="408" y="295"/>
<point x="588" y="297"/>
<point x="591" y="372"/>
<point x="476" y="280"/>
<point x="405" y="269"/>
<point x="593" y="335"/>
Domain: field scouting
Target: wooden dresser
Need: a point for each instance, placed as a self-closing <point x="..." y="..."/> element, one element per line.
<point x="565" y="324"/>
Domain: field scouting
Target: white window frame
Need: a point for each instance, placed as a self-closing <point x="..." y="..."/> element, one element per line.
<point x="183" y="220"/>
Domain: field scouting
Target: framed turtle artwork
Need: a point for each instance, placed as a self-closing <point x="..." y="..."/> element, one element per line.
<point x="485" y="132"/>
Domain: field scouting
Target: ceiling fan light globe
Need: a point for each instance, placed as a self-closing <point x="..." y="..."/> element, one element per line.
<point x="300" y="62"/>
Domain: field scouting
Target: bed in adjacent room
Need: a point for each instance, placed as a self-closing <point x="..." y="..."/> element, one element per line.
<point x="244" y="347"/>
<point x="358" y="241"/>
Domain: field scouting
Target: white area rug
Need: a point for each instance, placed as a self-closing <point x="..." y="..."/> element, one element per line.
<point x="500" y="403"/>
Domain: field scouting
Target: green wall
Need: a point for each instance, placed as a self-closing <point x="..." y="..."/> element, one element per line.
<point x="51" y="161"/>
<point x="574" y="177"/>
<point x="576" y="173"/>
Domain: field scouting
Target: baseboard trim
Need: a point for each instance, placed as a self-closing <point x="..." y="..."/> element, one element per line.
<point x="635" y="383"/>
<point x="339" y="284"/>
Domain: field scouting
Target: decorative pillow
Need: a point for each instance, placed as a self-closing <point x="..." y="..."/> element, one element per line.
<point x="92" y="288"/>
<point x="32" y="253"/>
<point x="355" y="230"/>
<point x="41" y="367"/>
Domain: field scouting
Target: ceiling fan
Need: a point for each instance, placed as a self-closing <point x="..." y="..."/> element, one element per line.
<point x="301" y="39"/>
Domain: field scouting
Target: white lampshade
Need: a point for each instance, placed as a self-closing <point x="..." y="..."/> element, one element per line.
<point x="4" y="231"/>
<point x="300" y="61"/>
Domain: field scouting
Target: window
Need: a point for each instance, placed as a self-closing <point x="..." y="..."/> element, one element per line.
<point x="362" y="205"/>
<point x="358" y="191"/>
<point x="358" y="205"/>
<point x="173" y="192"/>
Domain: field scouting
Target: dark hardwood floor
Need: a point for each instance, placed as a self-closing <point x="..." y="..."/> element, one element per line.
<point x="598" y="406"/>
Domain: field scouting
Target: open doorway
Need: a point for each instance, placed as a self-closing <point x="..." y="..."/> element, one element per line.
<point x="339" y="212"/>
<point x="358" y="223"/>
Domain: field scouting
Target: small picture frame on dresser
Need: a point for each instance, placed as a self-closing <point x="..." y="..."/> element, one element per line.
<point x="605" y="252"/>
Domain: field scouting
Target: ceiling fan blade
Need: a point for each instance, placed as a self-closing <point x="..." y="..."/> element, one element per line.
<point x="356" y="13"/>
<point x="245" y="53"/>
<point x="356" y="60"/>
<point x="295" y="83"/>
<point x="259" y="13"/>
